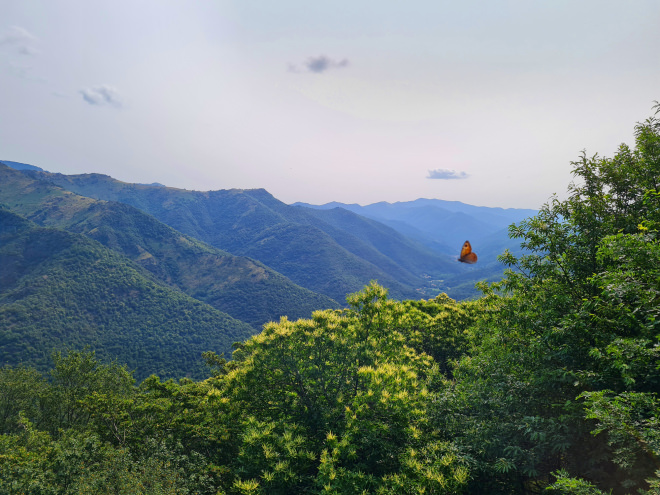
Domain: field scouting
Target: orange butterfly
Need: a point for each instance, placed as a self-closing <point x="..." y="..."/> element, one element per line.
<point x="467" y="256"/>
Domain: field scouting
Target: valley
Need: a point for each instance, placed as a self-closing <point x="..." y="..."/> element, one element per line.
<point x="240" y="255"/>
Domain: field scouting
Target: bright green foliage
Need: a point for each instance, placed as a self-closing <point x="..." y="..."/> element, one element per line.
<point x="353" y="395"/>
<point x="387" y="445"/>
<point x="276" y="456"/>
<point x="565" y="485"/>
<point x="336" y="404"/>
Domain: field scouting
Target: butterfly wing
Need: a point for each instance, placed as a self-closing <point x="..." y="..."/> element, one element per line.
<point x="470" y="258"/>
<point x="467" y="249"/>
<point x="467" y="256"/>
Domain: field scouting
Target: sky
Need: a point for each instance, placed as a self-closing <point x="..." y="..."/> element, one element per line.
<point x="358" y="101"/>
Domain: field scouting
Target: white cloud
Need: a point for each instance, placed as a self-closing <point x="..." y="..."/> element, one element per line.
<point x="101" y="95"/>
<point x="444" y="174"/>
<point x="19" y="39"/>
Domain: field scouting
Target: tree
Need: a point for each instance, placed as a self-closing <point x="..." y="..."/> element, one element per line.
<point x="75" y="376"/>
<point x="338" y="404"/>
<point x="577" y="314"/>
<point x="21" y="391"/>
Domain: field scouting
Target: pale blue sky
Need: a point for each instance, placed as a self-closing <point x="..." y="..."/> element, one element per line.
<point x="485" y="102"/>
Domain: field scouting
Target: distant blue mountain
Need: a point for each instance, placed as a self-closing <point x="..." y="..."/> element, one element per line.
<point x="21" y="166"/>
<point x="442" y="225"/>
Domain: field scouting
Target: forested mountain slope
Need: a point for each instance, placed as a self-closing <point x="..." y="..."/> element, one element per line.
<point x="319" y="255"/>
<point x="61" y="290"/>
<point x="239" y="286"/>
<point x="400" y="249"/>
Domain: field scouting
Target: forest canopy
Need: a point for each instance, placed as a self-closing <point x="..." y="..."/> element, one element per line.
<point x="548" y="383"/>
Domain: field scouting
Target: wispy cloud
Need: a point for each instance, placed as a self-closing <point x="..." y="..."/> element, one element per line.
<point x="444" y="174"/>
<point x="19" y="39"/>
<point x="101" y="95"/>
<point x="319" y="64"/>
<point x="25" y="72"/>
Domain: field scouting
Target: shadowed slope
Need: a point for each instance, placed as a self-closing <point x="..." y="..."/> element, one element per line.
<point x="62" y="290"/>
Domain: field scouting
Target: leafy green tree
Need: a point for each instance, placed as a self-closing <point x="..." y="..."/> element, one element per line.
<point x="565" y="485"/>
<point x="32" y="462"/>
<point x="106" y="436"/>
<point x="21" y="391"/>
<point x="631" y="421"/>
<point x="576" y="314"/>
<point x="75" y="376"/>
<point x="338" y="404"/>
<point x="440" y="327"/>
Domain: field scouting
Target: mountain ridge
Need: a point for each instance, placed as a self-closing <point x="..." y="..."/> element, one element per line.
<point x="333" y="249"/>
<point x="253" y="223"/>
<point x="434" y="215"/>
<point x="239" y="286"/>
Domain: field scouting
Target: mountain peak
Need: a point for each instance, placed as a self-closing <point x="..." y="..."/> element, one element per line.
<point x="21" y="166"/>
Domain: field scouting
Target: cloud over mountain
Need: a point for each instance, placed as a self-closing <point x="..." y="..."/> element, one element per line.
<point x="445" y="174"/>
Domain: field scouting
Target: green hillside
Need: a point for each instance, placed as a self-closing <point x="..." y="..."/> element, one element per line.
<point x="321" y="255"/>
<point x="369" y="239"/>
<point x="61" y="290"/>
<point x="239" y="286"/>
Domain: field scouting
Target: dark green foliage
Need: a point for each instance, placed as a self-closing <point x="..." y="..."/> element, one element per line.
<point x="70" y="441"/>
<point x="62" y="290"/>
<point x="22" y="390"/>
<point x="575" y="329"/>
<point x="77" y="462"/>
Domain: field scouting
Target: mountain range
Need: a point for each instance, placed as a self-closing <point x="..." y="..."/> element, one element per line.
<point x="242" y="255"/>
